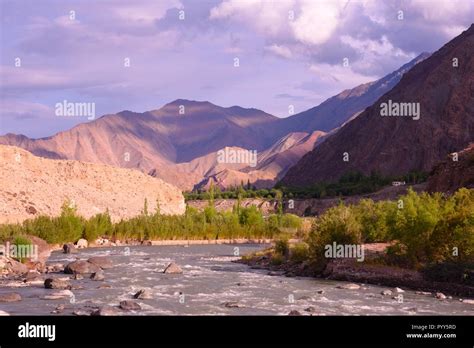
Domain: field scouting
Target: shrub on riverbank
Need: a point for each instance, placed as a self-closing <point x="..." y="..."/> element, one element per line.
<point x="242" y="222"/>
<point x="423" y="228"/>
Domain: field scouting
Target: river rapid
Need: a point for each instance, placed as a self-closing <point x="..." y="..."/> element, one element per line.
<point x="211" y="284"/>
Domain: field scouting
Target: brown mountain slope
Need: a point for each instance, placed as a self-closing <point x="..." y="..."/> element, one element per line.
<point x="272" y="163"/>
<point x="396" y="145"/>
<point x="155" y="138"/>
<point x="333" y="112"/>
<point x="450" y="175"/>
<point x="31" y="185"/>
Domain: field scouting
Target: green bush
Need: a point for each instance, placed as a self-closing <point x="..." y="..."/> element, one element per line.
<point x="290" y="221"/>
<point x="299" y="252"/>
<point x="97" y="226"/>
<point x="208" y="224"/>
<point x="282" y="247"/>
<point x="277" y="259"/>
<point x="373" y="219"/>
<point x="21" y="241"/>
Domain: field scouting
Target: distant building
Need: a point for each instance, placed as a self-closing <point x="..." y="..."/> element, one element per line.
<point x="398" y="183"/>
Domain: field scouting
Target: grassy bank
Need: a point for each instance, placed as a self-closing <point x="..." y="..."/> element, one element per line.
<point x="208" y="224"/>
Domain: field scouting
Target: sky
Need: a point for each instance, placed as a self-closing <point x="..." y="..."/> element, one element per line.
<point x="139" y="55"/>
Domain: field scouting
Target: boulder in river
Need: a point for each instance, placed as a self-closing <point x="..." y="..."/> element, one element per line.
<point x="350" y="286"/>
<point x="103" y="262"/>
<point x="82" y="243"/>
<point x="12" y="266"/>
<point x="54" y="268"/>
<point x="10" y="297"/>
<point x="173" y="268"/>
<point x="294" y="313"/>
<point x="143" y="295"/>
<point x="33" y="276"/>
<point x="59" y="295"/>
<point x="55" y="283"/>
<point x="386" y="292"/>
<point x="69" y="248"/>
<point x="440" y="296"/>
<point x="399" y="290"/>
<point x="232" y="305"/>
<point x="81" y="267"/>
<point x="99" y="275"/>
<point x="129" y="305"/>
<point x="107" y="311"/>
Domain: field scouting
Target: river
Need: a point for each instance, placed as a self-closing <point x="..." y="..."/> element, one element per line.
<point x="210" y="280"/>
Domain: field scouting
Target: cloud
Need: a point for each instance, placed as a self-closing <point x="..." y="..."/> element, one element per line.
<point x="316" y="21"/>
<point x="281" y="51"/>
<point x="22" y="110"/>
<point x="338" y="76"/>
<point x="288" y="50"/>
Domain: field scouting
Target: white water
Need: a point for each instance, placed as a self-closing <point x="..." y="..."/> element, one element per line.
<point x="209" y="280"/>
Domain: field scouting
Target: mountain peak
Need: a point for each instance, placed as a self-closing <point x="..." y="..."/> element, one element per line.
<point x="188" y="102"/>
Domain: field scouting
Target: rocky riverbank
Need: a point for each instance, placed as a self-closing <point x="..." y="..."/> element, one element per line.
<point x="62" y="280"/>
<point x="370" y="272"/>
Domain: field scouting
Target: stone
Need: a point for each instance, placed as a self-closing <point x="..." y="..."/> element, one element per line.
<point x="386" y="292"/>
<point x="98" y="276"/>
<point x="81" y="267"/>
<point x="294" y="313"/>
<point x="12" y="266"/>
<point x="69" y="248"/>
<point x="107" y="311"/>
<point x="399" y="290"/>
<point x="310" y="309"/>
<point x="350" y="286"/>
<point x="80" y="312"/>
<point x="173" y="268"/>
<point x="59" y="295"/>
<point x="129" y="305"/>
<point x="143" y="295"/>
<point x="320" y="292"/>
<point x="440" y="296"/>
<point x="468" y="301"/>
<point x="10" y="297"/>
<point x="32" y="276"/>
<point x="55" y="283"/>
<point x="103" y="262"/>
<point x="54" y="268"/>
<point x="82" y="243"/>
<point x="232" y="305"/>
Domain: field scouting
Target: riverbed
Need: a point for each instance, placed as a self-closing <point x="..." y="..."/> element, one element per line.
<point x="212" y="284"/>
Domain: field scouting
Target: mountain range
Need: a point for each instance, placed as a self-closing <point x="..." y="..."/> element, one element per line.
<point x="179" y="142"/>
<point x="440" y="87"/>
